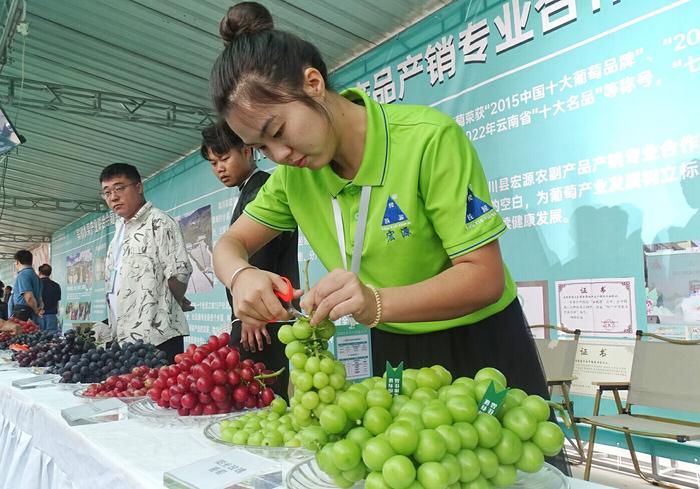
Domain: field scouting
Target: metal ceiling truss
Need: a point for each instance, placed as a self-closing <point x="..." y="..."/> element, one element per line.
<point x="12" y="14"/>
<point x="95" y="103"/>
<point x="55" y="205"/>
<point x="24" y="238"/>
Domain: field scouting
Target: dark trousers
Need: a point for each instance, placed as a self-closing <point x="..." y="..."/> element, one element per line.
<point x="172" y="347"/>
<point x="272" y="355"/>
<point x="24" y="313"/>
<point x="502" y="341"/>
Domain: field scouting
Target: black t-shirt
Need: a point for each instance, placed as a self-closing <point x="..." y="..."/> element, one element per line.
<point x="279" y="255"/>
<point x="51" y="294"/>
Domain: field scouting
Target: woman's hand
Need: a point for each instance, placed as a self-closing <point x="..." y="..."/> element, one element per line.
<point x="338" y="294"/>
<point x="254" y="300"/>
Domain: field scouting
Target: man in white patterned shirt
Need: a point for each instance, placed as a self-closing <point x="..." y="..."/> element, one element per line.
<point x="147" y="266"/>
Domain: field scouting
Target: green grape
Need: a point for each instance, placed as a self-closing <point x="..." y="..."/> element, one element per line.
<point x="304" y="381"/>
<point x="346" y="454"/>
<point x="399" y="472"/>
<point x="301" y="413"/>
<point x="454" y="471"/>
<point x="240" y="438"/>
<point x="309" y="400"/>
<point x="380" y="397"/>
<point x="285" y="334"/>
<point x="359" y="435"/>
<point x="324" y="459"/>
<point x="320" y="380"/>
<point x="327" y="394"/>
<point x="337" y="381"/>
<point x="299" y="360"/>
<point x="313" y="437"/>
<point x="302" y="329"/>
<point x="256" y="438"/>
<point x="333" y="419"/>
<point x="313" y="365"/>
<point x="355" y="474"/>
<point x="327" y="365"/>
<point x="295" y="346"/>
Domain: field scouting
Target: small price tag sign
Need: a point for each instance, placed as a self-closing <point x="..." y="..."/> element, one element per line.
<point x="492" y="400"/>
<point x="224" y="471"/>
<point x="394" y="378"/>
<point x="111" y="409"/>
<point x="43" y="380"/>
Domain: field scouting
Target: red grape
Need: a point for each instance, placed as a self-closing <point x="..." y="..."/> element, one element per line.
<point x="232" y="358"/>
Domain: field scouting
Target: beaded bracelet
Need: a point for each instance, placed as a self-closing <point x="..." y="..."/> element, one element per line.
<point x="378" y="300"/>
<point x="235" y="275"/>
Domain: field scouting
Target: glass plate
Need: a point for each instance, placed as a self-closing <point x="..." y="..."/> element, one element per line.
<point x="308" y="475"/>
<point x="79" y="392"/>
<point x="68" y="386"/>
<point x="290" y="454"/>
<point x="148" y="410"/>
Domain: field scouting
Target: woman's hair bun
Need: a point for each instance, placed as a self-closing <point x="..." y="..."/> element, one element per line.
<point x="244" y="19"/>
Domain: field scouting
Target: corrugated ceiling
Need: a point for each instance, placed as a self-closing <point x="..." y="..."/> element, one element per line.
<point x="153" y="49"/>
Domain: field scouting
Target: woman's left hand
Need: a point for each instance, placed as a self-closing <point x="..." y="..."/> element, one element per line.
<point x="338" y="294"/>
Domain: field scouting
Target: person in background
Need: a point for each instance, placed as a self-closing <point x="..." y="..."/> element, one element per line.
<point x="3" y="301"/>
<point x="147" y="266"/>
<point x="25" y="301"/>
<point x="51" y="295"/>
<point x="233" y="164"/>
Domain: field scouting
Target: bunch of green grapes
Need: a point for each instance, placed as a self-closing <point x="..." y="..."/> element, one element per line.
<point x="318" y="379"/>
<point x="270" y="427"/>
<point x="433" y="435"/>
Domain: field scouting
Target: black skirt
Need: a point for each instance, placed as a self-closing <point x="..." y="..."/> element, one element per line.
<point x="502" y="341"/>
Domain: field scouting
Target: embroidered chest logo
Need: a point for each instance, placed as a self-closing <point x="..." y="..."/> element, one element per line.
<point x="395" y="222"/>
<point x="477" y="209"/>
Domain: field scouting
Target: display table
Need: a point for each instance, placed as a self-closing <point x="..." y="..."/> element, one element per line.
<point x="38" y="449"/>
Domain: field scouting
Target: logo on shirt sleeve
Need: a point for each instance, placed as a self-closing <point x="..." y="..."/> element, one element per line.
<point x="476" y="208"/>
<point x="395" y="222"/>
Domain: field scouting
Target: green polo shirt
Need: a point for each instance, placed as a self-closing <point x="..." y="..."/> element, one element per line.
<point x="429" y="204"/>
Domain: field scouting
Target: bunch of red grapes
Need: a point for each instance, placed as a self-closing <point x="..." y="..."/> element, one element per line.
<point x="27" y="326"/>
<point x="134" y="384"/>
<point x="211" y="379"/>
<point x="5" y="337"/>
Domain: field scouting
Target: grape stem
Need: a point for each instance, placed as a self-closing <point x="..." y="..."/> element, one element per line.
<point x="270" y="375"/>
<point x="307" y="287"/>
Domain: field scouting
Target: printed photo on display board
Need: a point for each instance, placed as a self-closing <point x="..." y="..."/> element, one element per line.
<point x="533" y="297"/>
<point x="79" y="268"/>
<point x="672" y="273"/>
<point x="77" y="311"/>
<point x="196" y="229"/>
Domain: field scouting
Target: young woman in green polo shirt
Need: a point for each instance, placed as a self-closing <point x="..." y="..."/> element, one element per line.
<point x="393" y="200"/>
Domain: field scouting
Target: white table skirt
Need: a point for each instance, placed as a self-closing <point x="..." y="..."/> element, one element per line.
<point x="39" y="450"/>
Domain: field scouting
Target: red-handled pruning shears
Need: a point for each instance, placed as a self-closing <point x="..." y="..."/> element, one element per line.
<point x="286" y="297"/>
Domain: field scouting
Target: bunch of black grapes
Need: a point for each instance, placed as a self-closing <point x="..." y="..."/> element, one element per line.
<point x="97" y="363"/>
<point x="54" y="352"/>
<point x="29" y="339"/>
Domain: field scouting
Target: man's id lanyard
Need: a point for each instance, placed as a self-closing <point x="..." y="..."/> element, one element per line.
<point x="359" y="232"/>
<point x="116" y="259"/>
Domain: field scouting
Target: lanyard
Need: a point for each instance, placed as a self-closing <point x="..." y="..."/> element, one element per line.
<point x="359" y="230"/>
<point x="116" y="259"/>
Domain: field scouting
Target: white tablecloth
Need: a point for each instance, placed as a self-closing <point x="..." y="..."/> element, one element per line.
<point x="39" y="450"/>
